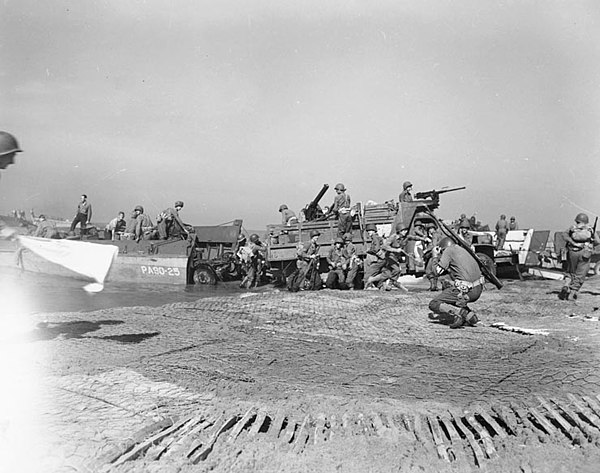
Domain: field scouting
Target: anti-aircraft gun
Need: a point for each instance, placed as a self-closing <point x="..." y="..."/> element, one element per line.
<point x="434" y="196"/>
<point x="313" y="211"/>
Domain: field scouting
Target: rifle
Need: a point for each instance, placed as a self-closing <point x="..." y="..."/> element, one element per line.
<point x="433" y="194"/>
<point x="459" y="241"/>
<point x="312" y="211"/>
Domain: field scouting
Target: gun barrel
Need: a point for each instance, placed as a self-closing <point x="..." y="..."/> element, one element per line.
<point x="433" y="193"/>
<point x="320" y="195"/>
<point x="443" y="191"/>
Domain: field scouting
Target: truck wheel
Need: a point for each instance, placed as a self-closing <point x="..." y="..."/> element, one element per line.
<point x="487" y="262"/>
<point x="205" y="276"/>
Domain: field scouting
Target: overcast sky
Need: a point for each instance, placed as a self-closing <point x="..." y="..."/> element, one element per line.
<point x="238" y="107"/>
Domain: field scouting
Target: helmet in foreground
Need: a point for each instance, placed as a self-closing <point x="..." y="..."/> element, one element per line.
<point x="314" y="233"/>
<point x="582" y="218"/>
<point x="254" y="238"/>
<point x="8" y="144"/>
<point x="445" y="242"/>
<point x="371" y="227"/>
<point x="400" y="227"/>
<point x="406" y="185"/>
<point x="283" y="207"/>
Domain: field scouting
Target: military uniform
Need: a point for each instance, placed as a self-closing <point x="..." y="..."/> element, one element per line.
<point x="467" y="285"/>
<point x="83" y="216"/>
<point x="46" y="229"/>
<point x="341" y="209"/>
<point x="581" y="240"/>
<point x="352" y="260"/>
<point x="336" y="258"/>
<point x="501" y="231"/>
<point x="375" y="259"/>
<point x="307" y="253"/>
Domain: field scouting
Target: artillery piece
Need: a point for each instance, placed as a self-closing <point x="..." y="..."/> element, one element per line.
<point x="313" y="211"/>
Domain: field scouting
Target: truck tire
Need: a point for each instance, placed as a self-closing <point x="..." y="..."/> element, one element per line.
<point x="487" y="262"/>
<point x="205" y="275"/>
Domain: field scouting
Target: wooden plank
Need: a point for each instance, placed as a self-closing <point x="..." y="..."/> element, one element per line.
<point x="320" y="432"/>
<point x="588" y="430"/>
<point x="278" y="420"/>
<point x="456" y="442"/>
<point x="491" y="422"/>
<point x="237" y="430"/>
<point x="507" y="417"/>
<point x="438" y="439"/>
<point x="557" y="417"/>
<point x="583" y="409"/>
<point x="204" y="450"/>
<point x="260" y="419"/>
<point x="488" y="444"/>
<point x="303" y="435"/>
<point x="477" y="452"/>
<point x="548" y="427"/>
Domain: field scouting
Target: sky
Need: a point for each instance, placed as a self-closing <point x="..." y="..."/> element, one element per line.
<point x="236" y="107"/>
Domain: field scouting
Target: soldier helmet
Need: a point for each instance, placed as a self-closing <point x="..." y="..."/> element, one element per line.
<point x="340" y="187"/>
<point x="314" y="233"/>
<point x="464" y="224"/>
<point x="400" y="227"/>
<point x="254" y="238"/>
<point x="503" y="217"/>
<point x="348" y="236"/>
<point x="241" y="238"/>
<point x="582" y="218"/>
<point x="445" y="242"/>
<point x="283" y="207"/>
<point x="406" y="185"/>
<point x="138" y="208"/>
<point x="339" y="240"/>
<point x="8" y="144"/>
<point x="42" y="217"/>
<point x="371" y="227"/>
<point x="179" y="203"/>
<point x="512" y="218"/>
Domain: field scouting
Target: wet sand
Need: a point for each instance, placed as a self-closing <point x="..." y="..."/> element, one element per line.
<point x="313" y="381"/>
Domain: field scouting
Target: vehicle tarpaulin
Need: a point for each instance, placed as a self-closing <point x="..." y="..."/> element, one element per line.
<point x="88" y="259"/>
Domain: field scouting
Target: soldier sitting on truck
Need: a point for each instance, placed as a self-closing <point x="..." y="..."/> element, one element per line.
<point x="308" y="263"/>
<point x="336" y="278"/>
<point x="288" y="217"/>
<point x="144" y="229"/>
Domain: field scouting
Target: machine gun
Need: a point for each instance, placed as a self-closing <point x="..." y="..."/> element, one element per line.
<point x="433" y="194"/>
<point x="312" y="211"/>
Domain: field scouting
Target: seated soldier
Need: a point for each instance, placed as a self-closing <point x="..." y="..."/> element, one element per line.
<point x="116" y="227"/>
<point x="169" y="223"/>
<point x="46" y="229"/>
<point x="144" y="229"/>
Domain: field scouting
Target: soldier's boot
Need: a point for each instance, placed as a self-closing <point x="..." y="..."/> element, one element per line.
<point x="469" y="317"/>
<point x="458" y="321"/>
<point x="433" y="284"/>
<point x="399" y="285"/>
<point x="574" y="295"/>
<point x="563" y="295"/>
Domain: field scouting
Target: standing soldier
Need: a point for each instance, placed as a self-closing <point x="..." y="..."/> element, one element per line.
<point x="435" y="236"/>
<point x="308" y="255"/>
<point x="501" y="231"/>
<point x="336" y="279"/>
<point x="513" y="225"/>
<point x="144" y="229"/>
<point x="375" y="258"/>
<point x="341" y="209"/>
<point x="405" y="195"/>
<point x="581" y="239"/>
<point x="352" y="261"/>
<point x="467" y="285"/>
<point x="83" y="215"/>
<point x="255" y="263"/>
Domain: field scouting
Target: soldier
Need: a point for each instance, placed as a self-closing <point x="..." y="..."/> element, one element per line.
<point x="288" y="217"/>
<point x="83" y="215"/>
<point x="464" y="232"/>
<point x="394" y="247"/>
<point x="341" y="209"/>
<point x="501" y="231"/>
<point x="144" y="229"/>
<point x="45" y="229"/>
<point x="336" y="259"/>
<point x="255" y="262"/>
<point x="352" y="261"/>
<point x="308" y="255"/>
<point x="129" y="233"/>
<point x="435" y="236"/>
<point x="116" y="227"/>
<point x="169" y="224"/>
<point x="467" y="285"/>
<point x="581" y="239"/>
<point x="405" y="195"/>
<point x="375" y="259"/>
<point x="513" y="225"/>
<point x="8" y="150"/>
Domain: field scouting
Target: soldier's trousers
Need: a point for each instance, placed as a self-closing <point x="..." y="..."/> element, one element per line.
<point x="579" y="266"/>
<point x="373" y="266"/>
<point x="81" y="219"/>
<point x="344" y="224"/>
<point x="445" y="302"/>
<point x="336" y="279"/>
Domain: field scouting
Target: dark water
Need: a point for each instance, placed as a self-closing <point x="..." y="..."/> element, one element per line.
<point x="23" y="292"/>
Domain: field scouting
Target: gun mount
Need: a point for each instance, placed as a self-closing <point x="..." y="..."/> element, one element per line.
<point x="313" y="211"/>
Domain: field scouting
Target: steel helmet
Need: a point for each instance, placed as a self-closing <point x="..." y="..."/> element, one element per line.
<point x="512" y="218"/>
<point x="371" y="227"/>
<point x="445" y="242"/>
<point x="140" y="208"/>
<point x="283" y="207"/>
<point x="8" y="144"/>
<point x="340" y="187"/>
<point x="401" y="227"/>
<point x="254" y="238"/>
<point x="348" y="236"/>
<point x="179" y="203"/>
<point x="464" y="224"/>
<point x="582" y="218"/>
<point x="339" y="240"/>
<point x="406" y="185"/>
<point x="314" y="233"/>
<point x="241" y="238"/>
